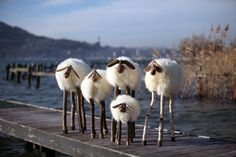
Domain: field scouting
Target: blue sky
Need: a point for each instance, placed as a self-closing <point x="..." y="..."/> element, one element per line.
<point x="132" y="23"/>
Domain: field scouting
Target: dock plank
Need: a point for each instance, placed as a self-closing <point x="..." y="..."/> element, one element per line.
<point x="43" y="127"/>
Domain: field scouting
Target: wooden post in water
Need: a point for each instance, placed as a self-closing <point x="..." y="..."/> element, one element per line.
<point x="29" y="75"/>
<point x="18" y="73"/>
<point x="12" y="73"/>
<point x="7" y="71"/>
<point x="46" y="152"/>
<point x="38" y="69"/>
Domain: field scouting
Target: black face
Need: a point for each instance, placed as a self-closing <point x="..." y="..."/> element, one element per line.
<point x="122" y="107"/>
<point x="95" y="76"/>
<point x="121" y="67"/>
<point x="68" y="71"/>
<point x="153" y="67"/>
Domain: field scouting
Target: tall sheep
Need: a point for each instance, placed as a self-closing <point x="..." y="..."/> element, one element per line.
<point x="69" y="75"/>
<point x="95" y="88"/>
<point x="163" y="76"/>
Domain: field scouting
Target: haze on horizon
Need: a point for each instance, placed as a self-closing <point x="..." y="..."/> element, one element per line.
<point x="130" y="23"/>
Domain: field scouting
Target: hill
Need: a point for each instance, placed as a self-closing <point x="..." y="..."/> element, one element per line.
<point x="16" y="42"/>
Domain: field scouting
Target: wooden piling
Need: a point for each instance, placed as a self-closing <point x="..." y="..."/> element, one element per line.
<point x="38" y="69"/>
<point x="18" y="73"/>
<point x="8" y="71"/>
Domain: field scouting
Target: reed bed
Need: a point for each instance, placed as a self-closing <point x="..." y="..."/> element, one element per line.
<point x="210" y="65"/>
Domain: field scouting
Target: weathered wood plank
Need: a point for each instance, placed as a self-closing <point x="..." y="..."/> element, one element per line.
<point x="43" y="127"/>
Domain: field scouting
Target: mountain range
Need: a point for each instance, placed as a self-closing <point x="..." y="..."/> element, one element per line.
<point x="16" y="42"/>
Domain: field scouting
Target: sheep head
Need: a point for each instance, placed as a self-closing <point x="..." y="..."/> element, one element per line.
<point x="95" y="76"/>
<point x="121" y="64"/>
<point x="69" y="69"/>
<point x="153" y="67"/>
<point x="122" y="107"/>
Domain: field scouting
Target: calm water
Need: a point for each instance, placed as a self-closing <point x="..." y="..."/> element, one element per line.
<point x="216" y="118"/>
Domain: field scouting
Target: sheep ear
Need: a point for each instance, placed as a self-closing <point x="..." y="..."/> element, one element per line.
<point x="130" y="65"/>
<point x="112" y="62"/>
<point x="157" y="67"/>
<point x="116" y="106"/>
<point x="58" y="70"/>
<point x="148" y="68"/>
<point x="129" y="107"/>
<point x="75" y="72"/>
<point x="91" y="74"/>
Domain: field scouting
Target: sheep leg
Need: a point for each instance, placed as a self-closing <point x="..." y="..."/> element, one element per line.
<point x="113" y="122"/>
<point x="64" y="114"/>
<point x="149" y="111"/>
<point x="101" y="135"/>
<point x="128" y="136"/>
<point x="83" y="111"/>
<point x="132" y="124"/>
<point x="161" y="123"/>
<point x="127" y="91"/>
<point x="81" y="128"/>
<point x="92" y="125"/>
<point x="118" y="133"/>
<point x="171" y="110"/>
<point x="104" y="118"/>
<point x="117" y="92"/>
<point x="72" y="114"/>
<point x="133" y="93"/>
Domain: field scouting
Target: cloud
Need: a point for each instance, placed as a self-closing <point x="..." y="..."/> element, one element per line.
<point x="126" y="22"/>
<point x="59" y="2"/>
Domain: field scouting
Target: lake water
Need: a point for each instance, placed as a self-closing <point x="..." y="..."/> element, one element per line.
<point x="214" y="118"/>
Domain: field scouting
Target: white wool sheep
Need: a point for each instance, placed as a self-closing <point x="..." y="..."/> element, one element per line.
<point x="69" y="75"/>
<point x="95" y="87"/>
<point x="125" y="109"/>
<point x="163" y="76"/>
<point x="124" y="74"/>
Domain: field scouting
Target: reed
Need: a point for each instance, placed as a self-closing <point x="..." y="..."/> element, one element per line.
<point x="209" y="64"/>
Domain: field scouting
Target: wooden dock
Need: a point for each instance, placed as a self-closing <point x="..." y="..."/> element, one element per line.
<point x="42" y="126"/>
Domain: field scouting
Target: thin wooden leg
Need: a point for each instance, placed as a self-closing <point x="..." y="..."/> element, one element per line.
<point x="149" y="111"/>
<point x="72" y="114"/>
<point x="93" y="132"/>
<point x="113" y="129"/>
<point x="79" y="111"/>
<point x="83" y="111"/>
<point x="105" y="129"/>
<point x="161" y="123"/>
<point x="118" y="133"/>
<point x="128" y="135"/>
<point x="113" y="122"/>
<point x="127" y="90"/>
<point x="132" y="124"/>
<point x="133" y="93"/>
<point x="101" y="135"/>
<point x="64" y="114"/>
<point x="171" y="110"/>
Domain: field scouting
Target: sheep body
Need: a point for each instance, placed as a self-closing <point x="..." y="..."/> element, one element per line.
<point x="98" y="90"/>
<point x="69" y="74"/>
<point x="164" y="77"/>
<point x="168" y="81"/>
<point x="70" y="83"/>
<point x="129" y="115"/>
<point x="128" y="77"/>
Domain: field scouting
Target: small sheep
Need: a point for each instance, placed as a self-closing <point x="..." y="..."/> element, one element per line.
<point x="95" y="87"/>
<point x="69" y="74"/>
<point x="163" y="76"/>
<point x="125" y="109"/>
